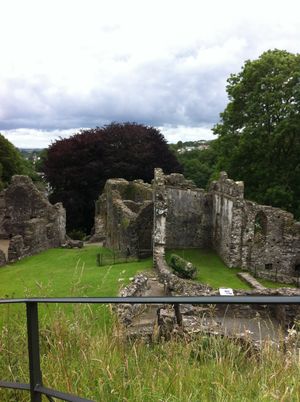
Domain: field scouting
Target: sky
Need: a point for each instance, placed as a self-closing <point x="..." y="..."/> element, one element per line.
<point x="67" y="65"/>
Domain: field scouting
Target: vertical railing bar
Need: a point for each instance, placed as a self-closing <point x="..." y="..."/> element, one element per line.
<point x="35" y="373"/>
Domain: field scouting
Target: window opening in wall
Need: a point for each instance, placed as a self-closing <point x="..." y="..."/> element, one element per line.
<point x="297" y="268"/>
<point x="268" y="266"/>
<point x="260" y="227"/>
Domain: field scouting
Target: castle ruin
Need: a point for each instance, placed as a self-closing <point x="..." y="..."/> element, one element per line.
<point x="174" y="213"/>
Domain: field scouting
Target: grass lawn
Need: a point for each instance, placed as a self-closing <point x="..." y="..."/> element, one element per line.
<point x="274" y="285"/>
<point x="62" y="273"/>
<point x="211" y="269"/>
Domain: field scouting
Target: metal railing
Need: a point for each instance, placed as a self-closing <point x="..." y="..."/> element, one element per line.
<point x="121" y="257"/>
<point x="36" y="388"/>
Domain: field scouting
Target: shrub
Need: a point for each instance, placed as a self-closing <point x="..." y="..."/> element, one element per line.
<point x="76" y="234"/>
<point x="182" y="268"/>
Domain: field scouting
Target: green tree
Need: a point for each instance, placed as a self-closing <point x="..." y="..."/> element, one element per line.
<point x="259" y="132"/>
<point x="199" y="165"/>
<point x="11" y="162"/>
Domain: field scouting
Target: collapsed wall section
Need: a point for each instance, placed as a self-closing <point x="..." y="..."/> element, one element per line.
<point x="271" y="243"/>
<point x="124" y="217"/>
<point x="30" y="222"/>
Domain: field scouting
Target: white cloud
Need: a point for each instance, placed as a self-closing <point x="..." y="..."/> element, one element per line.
<point x="183" y="133"/>
<point x="33" y="138"/>
<point x="84" y="63"/>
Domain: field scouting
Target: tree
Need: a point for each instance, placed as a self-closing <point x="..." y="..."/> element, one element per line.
<point x="11" y="162"/>
<point x="199" y="165"/>
<point x="78" y="167"/>
<point x="259" y="132"/>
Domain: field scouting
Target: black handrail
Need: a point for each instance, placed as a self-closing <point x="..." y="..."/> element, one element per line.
<point x="36" y="387"/>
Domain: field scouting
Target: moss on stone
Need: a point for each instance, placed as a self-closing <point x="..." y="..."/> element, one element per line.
<point x="182" y="268"/>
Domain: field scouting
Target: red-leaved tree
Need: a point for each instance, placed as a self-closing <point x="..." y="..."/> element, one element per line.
<point x="78" y="167"/>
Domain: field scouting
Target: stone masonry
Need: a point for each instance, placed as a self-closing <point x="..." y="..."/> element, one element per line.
<point x="259" y="238"/>
<point x="124" y="216"/>
<point x="28" y="220"/>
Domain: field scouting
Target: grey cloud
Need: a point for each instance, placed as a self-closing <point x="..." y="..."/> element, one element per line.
<point x="158" y="93"/>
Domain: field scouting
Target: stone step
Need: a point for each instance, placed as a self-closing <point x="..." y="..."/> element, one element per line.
<point x="248" y="278"/>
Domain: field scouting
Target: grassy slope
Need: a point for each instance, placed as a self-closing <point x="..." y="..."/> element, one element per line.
<point x="78" y="358"/>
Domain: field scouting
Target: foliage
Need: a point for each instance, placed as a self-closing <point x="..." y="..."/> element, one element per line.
<point x="11" y="162"/>
<point x="259" y="132"/>
<point x="41" y="157"/>
<point x="76" y="234"/>
<point x="182" y="268"/>
<point x="199" y="165"/>
<point x="78" y="167"/>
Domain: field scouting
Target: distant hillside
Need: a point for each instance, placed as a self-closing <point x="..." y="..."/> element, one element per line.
<point x="187" y="146"/>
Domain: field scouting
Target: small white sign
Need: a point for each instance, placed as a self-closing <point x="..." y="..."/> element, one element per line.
<point x="226" y="292"/>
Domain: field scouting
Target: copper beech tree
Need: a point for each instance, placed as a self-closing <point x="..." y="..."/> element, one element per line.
<point x="78" y="167"/>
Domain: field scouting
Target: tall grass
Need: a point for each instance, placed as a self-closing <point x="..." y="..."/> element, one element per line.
<point x="83" y="351"/>
<point x="79" y="357"/>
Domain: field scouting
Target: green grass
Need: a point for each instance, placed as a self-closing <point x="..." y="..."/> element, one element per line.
<point x="78" y="358"/>
<point x="210" y="268"/>
<point x="274" y="285"/>
<point x="62" y="272"/>
<point x="102" y="366"/>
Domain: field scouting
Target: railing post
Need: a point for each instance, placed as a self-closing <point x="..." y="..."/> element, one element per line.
<point x="33" y="350"/>
<point x="178" y="314"/>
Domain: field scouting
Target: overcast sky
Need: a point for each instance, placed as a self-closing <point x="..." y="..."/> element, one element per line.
<point x="67" y="65"/>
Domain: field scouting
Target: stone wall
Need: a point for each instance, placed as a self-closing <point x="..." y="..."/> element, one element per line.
<point x="270" y="245"/>
<point x="162" y="209"/>
<point x="260" y="238"/>
<point x="3" y="234"/>
<point x="138" y="286"/>
<point x="31" y="223"/>
<point x="2" y="258"/>
<point x="124" y="217"/>
<point x="227" y="206"/>
<point x="189" y="214"/>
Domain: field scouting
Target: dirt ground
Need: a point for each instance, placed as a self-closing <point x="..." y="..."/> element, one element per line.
<point x="4" y="245"/>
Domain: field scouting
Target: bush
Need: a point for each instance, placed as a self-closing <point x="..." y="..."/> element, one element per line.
<point x="76" y="234"/>
<point x="182" y="268"/>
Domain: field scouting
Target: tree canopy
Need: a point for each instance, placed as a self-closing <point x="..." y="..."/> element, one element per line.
<point x="259" y="131"/>
<point x="11" y="162"/>
<point x="199" y="165"/>
<point x="78" y="167"/>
